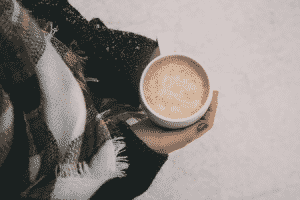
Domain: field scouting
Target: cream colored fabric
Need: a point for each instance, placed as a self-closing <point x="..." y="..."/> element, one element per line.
<point x="104" y="166"/>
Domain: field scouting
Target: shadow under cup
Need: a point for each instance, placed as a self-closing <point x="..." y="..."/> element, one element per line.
<point x="175" y="91"/>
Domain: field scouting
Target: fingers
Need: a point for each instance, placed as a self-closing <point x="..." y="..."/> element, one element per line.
<point x="205" y="123"/>
<point x="202" y="127"/>
<point x="170" y="140"/>
<point x="209" y="116"/>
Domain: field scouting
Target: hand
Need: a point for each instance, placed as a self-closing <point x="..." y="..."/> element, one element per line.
<point x="166" y="141"/>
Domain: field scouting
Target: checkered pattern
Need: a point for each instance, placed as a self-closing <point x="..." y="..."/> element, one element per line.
<point x="126" y="115"/>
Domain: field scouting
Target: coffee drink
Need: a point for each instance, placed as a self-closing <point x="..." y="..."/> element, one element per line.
<point x="175" y="87"/>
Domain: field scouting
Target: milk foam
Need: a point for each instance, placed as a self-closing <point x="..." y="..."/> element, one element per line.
<point x="174" y="90"/>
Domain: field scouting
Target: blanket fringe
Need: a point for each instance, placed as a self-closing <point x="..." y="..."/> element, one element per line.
<point x="121" y="161"/>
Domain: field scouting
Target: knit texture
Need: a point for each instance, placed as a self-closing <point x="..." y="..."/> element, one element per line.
<point x="116" y="58"/>
<point x="81" y="149"/>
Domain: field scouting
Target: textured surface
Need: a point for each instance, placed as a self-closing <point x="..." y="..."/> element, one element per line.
<point x="251" y="49"/>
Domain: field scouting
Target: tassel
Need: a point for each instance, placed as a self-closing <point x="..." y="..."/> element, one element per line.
<point x="121" y="161"/>
<point x="83" y="182"/>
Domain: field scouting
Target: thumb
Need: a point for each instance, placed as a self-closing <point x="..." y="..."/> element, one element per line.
<point x="201" y="127"/>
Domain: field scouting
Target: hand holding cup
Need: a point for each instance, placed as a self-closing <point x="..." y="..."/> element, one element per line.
<point x="175" y="90"/>
<point x="165" y="140"/>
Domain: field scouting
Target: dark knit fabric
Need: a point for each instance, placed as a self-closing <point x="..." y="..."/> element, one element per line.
<point x="144" y="162"/>
<point x="22" y="45"/>
<point x="16" y="82"/>
<point x="116" y="58"/>
<point x="18" y="55"/>
<point x="14" y="171"/>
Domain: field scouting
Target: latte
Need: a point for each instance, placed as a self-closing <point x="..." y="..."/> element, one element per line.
<point x="173" y="88"/>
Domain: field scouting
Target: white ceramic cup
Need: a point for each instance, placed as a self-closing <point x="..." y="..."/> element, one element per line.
<point x="166" y="46"/>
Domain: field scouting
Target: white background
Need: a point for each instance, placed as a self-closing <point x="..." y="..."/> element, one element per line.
<point x="252" y="50"/>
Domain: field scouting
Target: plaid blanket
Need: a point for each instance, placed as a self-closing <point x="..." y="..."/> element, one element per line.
<point x="108" y="124"/>
<point x="99" y="128"/>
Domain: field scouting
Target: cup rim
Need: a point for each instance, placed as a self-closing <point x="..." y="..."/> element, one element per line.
<point x="195" y="115"/>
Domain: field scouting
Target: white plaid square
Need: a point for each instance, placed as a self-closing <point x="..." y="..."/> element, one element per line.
<point x="131" y="121"/>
